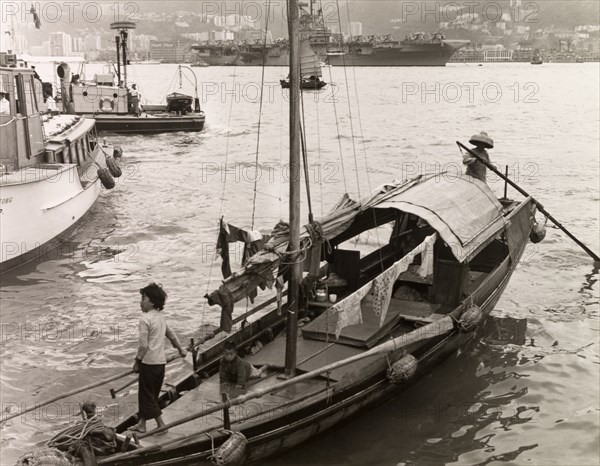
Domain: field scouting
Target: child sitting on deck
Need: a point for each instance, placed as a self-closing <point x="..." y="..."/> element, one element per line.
<point x="233" y="370"/>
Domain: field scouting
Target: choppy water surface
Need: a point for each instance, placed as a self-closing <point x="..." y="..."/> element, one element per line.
<point x="71" y="319"/>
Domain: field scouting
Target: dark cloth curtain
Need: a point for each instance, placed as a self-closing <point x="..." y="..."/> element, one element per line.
<point x="230" y="234"/>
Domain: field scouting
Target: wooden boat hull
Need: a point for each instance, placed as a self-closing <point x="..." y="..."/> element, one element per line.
<point x="131" y="124"/>
<point x="280" y="433"/>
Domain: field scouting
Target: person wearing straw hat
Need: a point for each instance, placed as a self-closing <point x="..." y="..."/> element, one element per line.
<point x="475" y="168"/>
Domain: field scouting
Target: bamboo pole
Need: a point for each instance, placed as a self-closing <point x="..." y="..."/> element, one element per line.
<point x="80" y="390"/>
<point x="183" y="438"/>
<point x="114" y="391"/>
<point x="432" y="330"/>
<point x="540" y="207"/>
<point x="68" y="394"/>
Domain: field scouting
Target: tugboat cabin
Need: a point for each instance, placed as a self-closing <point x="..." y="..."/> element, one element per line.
<point x="21" y="132"/>
<point x="31" y="136"/>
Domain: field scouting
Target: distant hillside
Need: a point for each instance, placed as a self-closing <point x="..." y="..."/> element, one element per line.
<point x="377" y="16"/>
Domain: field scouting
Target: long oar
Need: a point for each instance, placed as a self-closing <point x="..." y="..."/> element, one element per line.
<point x="78" y="390"/>
<point x="540" y="207"/>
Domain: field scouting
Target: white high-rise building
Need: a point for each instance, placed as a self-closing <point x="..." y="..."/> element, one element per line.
<point x="21" y="44"/>
<point x="356" y="29"/>
<point x="60" y="44"/>
<point x="93" y="43"/>
<point x="78" y="44"/>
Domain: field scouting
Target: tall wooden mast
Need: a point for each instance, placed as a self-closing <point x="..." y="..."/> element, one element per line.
<point x="294" y="240"/>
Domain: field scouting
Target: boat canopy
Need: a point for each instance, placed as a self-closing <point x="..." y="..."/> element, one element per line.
<point x="463" y="210"/>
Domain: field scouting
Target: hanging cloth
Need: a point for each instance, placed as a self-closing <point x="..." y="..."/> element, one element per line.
<point x="349" y="311"/>
<point x="426" y="268"/>
<point x="383" y="284"/>
<point x="253" y="242"/>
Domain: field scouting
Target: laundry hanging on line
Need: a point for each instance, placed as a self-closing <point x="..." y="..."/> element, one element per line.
<point x="253" y="242"/>
<point x="383" y="285"/>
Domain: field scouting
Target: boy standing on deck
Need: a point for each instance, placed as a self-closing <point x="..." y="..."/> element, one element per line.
<point x="151" y="360"/>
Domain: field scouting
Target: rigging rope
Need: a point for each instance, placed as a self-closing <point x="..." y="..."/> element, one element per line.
<point x="361" y="134"/>
<point x="349" y="105"/>
<point x="319" y="156"/>
<point x="305" y="159"/>
<point x="210" y="272"/>
<point x="262" y="87"/>
<point x="339" y="138"/>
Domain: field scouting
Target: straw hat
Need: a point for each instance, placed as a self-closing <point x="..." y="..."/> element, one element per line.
<point x="482" y="139"/>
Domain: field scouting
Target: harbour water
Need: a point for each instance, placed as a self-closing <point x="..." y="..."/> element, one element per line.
<point x="71" y="318"/>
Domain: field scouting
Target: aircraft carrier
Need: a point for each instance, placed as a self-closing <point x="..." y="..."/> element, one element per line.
<point x="420" y="49"/>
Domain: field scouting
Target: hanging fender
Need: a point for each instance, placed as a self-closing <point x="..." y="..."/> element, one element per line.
<point x="106" y="178"/>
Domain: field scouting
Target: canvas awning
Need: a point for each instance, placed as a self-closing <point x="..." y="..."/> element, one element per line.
<point x="463" y="210"/>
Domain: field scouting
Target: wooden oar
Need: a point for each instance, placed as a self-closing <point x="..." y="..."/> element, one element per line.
<point x="540" y="207"/>
<point x="434" y="329"/>
<point x="79" y="390"/>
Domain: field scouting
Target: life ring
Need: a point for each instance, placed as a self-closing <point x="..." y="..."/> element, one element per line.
<point x="107" y="104"/>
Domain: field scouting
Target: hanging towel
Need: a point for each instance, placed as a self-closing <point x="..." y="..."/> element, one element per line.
<point x="223" y="248"/>
<point x="383" y="285"/>
<point x="426" y="268"/>
<point x="348" y="309"/>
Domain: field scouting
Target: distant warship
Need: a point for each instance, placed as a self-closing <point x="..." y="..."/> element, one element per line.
<point x="417" y="50"/>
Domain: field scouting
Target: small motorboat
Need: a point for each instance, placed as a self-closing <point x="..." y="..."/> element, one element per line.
<point x="537" y="58"/>
<point x="312" y="83"/>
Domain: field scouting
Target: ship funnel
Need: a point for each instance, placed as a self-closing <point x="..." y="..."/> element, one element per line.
<point x="64" y="73"/>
